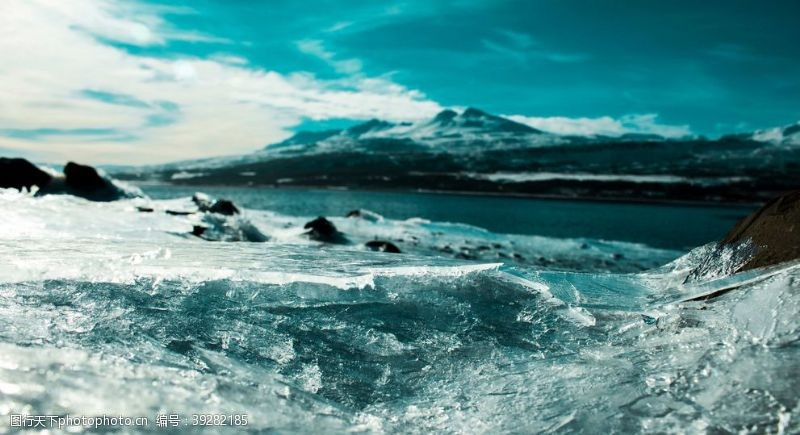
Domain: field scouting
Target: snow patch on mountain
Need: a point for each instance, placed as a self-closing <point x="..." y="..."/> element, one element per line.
<point x="788" y="135"/>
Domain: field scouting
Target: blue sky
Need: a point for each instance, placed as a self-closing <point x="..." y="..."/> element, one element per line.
<point x="149" y="81"/>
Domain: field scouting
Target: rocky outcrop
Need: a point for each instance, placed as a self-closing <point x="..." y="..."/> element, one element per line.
<point x="84" y="181"/>
<point x="773" y="232"/>
<point x="767" y="237"/>
<point x="220" y="221"/>
<point x="83" y="178"/>
<point x="20" y="173"/>
<point x="323" y="230"/>
<point x="78" y="180"/>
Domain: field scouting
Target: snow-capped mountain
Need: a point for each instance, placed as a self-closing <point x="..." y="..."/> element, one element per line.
<point x="470" y="124"/>
<point x="478" y="152"/>
<point x="448" y="131"/>
<point x="468" y="132"/>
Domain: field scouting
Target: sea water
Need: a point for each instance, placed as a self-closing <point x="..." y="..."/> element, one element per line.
<point x="670" y="226"/>
<point x="105" y="310"/>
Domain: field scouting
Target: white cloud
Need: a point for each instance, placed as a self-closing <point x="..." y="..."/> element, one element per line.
<point x="521" y="47"/>
<point x="317" y="48"/>
<point x="605" y="125"/>
<point x="53" y="52"/>
<point x="340" y="25"/>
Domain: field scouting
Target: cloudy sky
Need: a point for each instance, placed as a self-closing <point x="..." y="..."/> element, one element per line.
<point x="131" y="82"/>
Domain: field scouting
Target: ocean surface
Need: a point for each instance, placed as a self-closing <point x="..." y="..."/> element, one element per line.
<point x="496" y="318"/>
<point x="670" y="226"/>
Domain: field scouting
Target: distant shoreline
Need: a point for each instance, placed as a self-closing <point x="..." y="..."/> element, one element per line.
<point x="515" y="195"/>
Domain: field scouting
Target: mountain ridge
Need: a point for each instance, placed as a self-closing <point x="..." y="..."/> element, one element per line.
<point x="440" y="126"/>
<point x="474" y="151"/>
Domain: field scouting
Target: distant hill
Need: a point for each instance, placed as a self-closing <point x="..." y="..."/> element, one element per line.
<point x="477" y="152"/>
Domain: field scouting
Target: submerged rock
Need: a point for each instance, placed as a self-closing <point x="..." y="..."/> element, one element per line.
<point x="218" y="228"/>
<point x="20" y="173"/>
<point x="367" y="215"/>
<point x="382" y="246"/>
<point x="323" y="230"/>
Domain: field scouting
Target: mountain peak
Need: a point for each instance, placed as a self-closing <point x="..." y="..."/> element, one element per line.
<point x="445" y="115"/>
<point x="472" y="112"/>
<point x="305" y="137"/>
<point x="371" y="125"/>
<point x="792" y="129"/>
<point x="447" y="123"/>
<point x="475" y="118"/>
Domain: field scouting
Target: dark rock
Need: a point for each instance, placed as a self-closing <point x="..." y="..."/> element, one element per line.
<point x="321" y="227"/>
<point x="85" y="182"/>
<point x="221" y="206"/>
<point x="323" y="230"/>
<point x="145" y="209"/>
<point x="219" y="228"/>
<point x="180" y="346"/>
<point x="179" y="212"/>
<point x="224" y="207"/>
<point x="773" y="232"/>
<point x="382" y="246"/>
<point x="20" y="173"/>
<point x="78" y="180"/>
<point x="84" y="178"/>
<point x="767" y="237"/>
